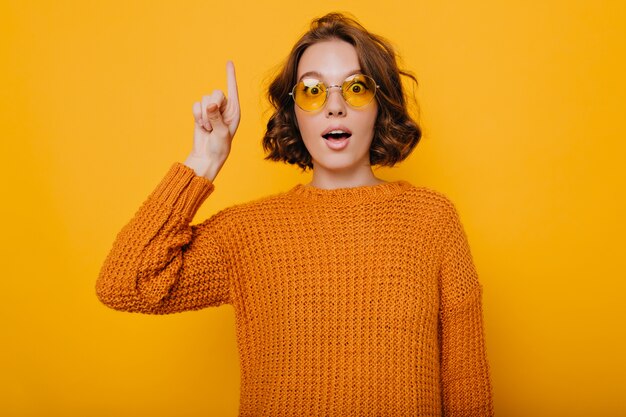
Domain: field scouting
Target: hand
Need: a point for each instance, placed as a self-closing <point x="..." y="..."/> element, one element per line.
<point x="216" y="121"/>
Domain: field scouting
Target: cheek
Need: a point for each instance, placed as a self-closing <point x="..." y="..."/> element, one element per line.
<point x="301" y="122"/>
<point x="368" y="120"/>
<point x="374" y="115"/>
<point x="306" y="125"/>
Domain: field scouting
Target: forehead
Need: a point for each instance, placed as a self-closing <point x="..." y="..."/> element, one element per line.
<point x="329" y="60"/>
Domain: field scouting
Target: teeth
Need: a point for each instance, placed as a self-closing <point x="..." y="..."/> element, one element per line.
<point x="335" y="131"/>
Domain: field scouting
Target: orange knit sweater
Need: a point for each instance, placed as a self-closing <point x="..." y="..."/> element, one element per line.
<point x="348" y="302"/>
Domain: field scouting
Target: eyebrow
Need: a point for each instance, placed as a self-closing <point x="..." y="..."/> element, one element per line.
<point x="317" y="74"/>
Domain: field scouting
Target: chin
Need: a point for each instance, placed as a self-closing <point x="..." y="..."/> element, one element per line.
<point x="336" y="163"/>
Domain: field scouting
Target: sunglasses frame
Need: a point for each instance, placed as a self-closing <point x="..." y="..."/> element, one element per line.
<point x="327" y="92"/>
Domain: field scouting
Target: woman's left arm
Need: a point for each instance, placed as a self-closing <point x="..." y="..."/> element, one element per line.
<point x="465" y="371"/>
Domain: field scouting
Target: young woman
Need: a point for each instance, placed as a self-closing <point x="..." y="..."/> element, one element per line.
<point x="353" y="296"/>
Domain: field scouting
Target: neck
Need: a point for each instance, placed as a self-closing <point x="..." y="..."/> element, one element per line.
<point x="326" y="179"/>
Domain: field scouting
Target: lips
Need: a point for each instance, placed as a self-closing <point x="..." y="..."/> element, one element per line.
<point x="336" y="132"/>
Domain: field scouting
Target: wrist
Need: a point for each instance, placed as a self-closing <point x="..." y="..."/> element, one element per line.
<point x="204" y="167"/>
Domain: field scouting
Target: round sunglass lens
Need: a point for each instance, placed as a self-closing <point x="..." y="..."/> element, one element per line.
<point x="359" y="90"/>
<point x="310" y="94"/>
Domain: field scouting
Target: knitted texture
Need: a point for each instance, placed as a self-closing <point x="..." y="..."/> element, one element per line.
<point x="357" y="301"/>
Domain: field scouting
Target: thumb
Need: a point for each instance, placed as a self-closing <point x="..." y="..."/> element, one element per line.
<point x="215" y="117"/>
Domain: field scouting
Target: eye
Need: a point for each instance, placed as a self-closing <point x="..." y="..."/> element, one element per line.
<point x="357" y="87"/>
<point x="356" y="84"/>
<point x="312" y="87"/>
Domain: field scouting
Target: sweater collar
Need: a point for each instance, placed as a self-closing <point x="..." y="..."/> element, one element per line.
<point x="350" y="195"/>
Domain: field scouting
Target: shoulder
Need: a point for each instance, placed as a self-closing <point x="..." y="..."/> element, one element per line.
<point x="431" y="199"/>
<point x="234" y="222"/>
<point x="263" y="205"/>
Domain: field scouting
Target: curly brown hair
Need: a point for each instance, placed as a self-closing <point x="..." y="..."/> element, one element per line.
<point x="395" y="133"/>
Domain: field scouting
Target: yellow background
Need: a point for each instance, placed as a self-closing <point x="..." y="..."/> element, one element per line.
<point x="523" y="114"/>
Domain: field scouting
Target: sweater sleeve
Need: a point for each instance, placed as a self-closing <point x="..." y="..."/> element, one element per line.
<point x="159" y="263"/>
<point x="465" y="372"/>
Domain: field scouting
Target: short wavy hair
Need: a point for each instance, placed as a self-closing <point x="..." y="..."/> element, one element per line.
<point x="395" y="133"/>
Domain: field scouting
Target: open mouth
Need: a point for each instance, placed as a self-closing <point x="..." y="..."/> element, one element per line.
<point x="337" y="136"/>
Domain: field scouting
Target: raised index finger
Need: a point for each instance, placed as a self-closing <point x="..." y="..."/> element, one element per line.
<point x="233" y="93"/>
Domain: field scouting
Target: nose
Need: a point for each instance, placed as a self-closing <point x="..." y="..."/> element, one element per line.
<point x="335" y="103"/>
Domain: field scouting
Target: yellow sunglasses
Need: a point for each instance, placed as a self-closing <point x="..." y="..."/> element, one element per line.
<point x="311" y="94"/>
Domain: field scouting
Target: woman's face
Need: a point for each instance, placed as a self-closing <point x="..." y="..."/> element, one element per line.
<point x="332" y="62"/>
